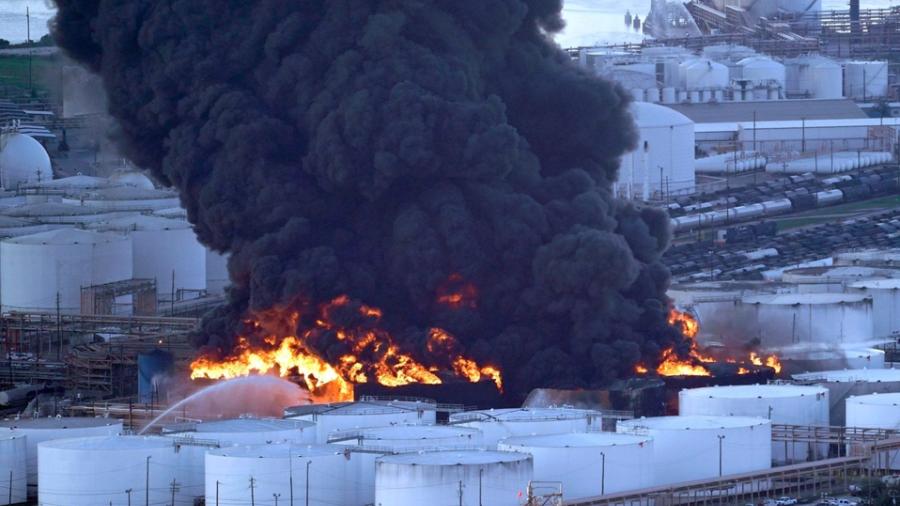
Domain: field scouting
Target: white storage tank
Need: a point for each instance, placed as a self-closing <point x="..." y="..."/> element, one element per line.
<point x="687" y="448"/>
<point x="246" y="431"/>
<point x="843" y="384"/>
<point x="762" y="70"/>
<point x="652" y="95"/>
<point x="785" y="319"/>
<point x="126" y="198"/>
<point x="34" y="269"/>
<point x="885" y="294"/>
<point x="813" y="77"/>
<point x="702" y="73"/>
<point x="101" y="470"/>
<point x="470" y="477"/>
<point x="163" y="250"/>
<point x="12" y="468"/>
<point x="782" y="404"/>
<point x="38" y="430"/>
<point x="273" y="469"/>
<point x="874" y="411"/>
<point x="499" y="424"/>
<point x="802" y="358"/>
<point x="216" y="272"/>
<point x="865" y="80"/>
<point x="344" y="416"/>
<point x="588" y="464"/>
<point x="22" y="161"/>
<point x="668" y="95"/>
<point x="132" y="178"/>
<point x="404" y="438"/>
<point x="667" y="164"/>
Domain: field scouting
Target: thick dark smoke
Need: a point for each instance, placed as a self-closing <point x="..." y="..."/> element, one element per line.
<point x="378" y="147"/>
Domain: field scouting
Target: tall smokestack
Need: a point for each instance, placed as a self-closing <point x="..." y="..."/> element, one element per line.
<point x="379" y="149"/>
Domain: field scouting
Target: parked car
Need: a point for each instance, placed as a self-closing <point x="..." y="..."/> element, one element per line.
<point x="785" y="501"/>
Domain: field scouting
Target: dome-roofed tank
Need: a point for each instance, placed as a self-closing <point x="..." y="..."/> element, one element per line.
<point x="73" y="183"/>
<point x="782" y="404"/>
<point x="37" y="269"/>
<point x="703" y="73"/>
<point x="274" y="468"/>
<point x="99" y="470"/>
<point x="471" y="477"/>
<point x="498" y="424"/>
<point x="22" y="160"/>
<point x="686" y="448"/>
<point x="808" y="357"/>
<point x="625" y="461"/>
<point x="343" y="416"/>
<point x="669" y="138"/>
<point x="126" y="198"/>
<point x="876" y="411"/>
<point x="762" y="70"/>
<point x="133" y="178"/>
<point x="38" y="430"/>
<point x="842" y="384"/>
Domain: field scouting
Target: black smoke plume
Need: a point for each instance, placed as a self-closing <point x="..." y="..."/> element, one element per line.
<point x="377" y="148"/>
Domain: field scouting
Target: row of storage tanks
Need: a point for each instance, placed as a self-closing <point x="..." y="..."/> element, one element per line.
<point x="393" y="453"/>
<point x="674" y="75"/>
<point x="61" y="235"/>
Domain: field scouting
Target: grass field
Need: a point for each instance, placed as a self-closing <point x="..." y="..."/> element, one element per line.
<point x="14" y="72"/>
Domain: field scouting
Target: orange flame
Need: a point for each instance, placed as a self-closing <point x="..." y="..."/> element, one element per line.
<point x="371" y="353"/>
<point x="457" y="293"/>
<point x="693" y="365"/>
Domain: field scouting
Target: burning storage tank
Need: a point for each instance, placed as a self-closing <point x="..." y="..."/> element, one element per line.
<point x="165" y="250"/>
<point x="850" y="382"/>
<point x="474" y="477"/>
<point x="786" y="319"/>
<point x="885" y="294"/>
<point x="499" y="424"/>
<point x="318" y="475"/>
<point x="22" y="161"/>
<point x="88" y="471"/>
<point x="38" y="430"/>
<point x="782" y="404"/>
<point x="48" y="270"/>
<point x="687" y="448"/>
<point x="13" y="456"/>
<point x="344" y="416"/>
<point x="622" y="461"/>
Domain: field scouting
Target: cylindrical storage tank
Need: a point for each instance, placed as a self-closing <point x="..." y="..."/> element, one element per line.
<point x="773" y="92"/>
<point x="875" y="411"/>
<point x="637" y="94"/>
<point x="12" y="468"/>
<point x="687" y="448"/>
<point x="885" y="294"/>
<point x="814" y="77"/>
<point x="38" y="430"/>
<point x="694" y="96"/>
<point x="786" y="319"/>
<point x="843" y="384"/>
<point x="498" y="424"/>
<point x="246" y="431"/>
<point x="36" y="269"/>
<point x="804" y="358"/>
<point x="719" y="95"/>
<point x="703" y="73"/>
<point x="470" y="477"/>
<point x="865" y="80"/>
<point x="652" y="95"/>
<point x="762" y="70"/>
<point x="132" y="178"/>
<point x="683" y="95"/>
<point x="344" y="416"/>
<point x="266" y="471"/>
<point x="100" y="470"/>
<point x="624" y="461"/>
<point x="164" y="250"/>
<point x="668" y="95"/>
<point x="782" y="404"/>
<point x="216" y="272"/>
<point x="405" y="438"/>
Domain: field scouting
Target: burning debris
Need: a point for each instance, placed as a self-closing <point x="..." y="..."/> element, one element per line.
<point x="443" y="161"/>
<point x="698" y="363"/>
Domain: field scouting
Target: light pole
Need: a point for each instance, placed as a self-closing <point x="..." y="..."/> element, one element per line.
<point x="721" y="437"/>
<point x="147" y="483"/>
<point x="129" y="496"/>
<point x="291" y="471"/>
<point x="276" y="496"/>
<point x="308" y="462"/>
<point x="602" y="473"/>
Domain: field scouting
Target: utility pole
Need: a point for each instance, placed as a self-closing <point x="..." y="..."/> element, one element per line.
<point x="721" y="437"/>
<point x="291" y="476"/>
<point x="603" y="473"/>
<point x="10" y="486"/>
<point x="460" y="493"/>
<point x="147" y="484"/>
<point x="174" y="488"/>
<point x="308" y="462"/>
<point x="217" y="492"/>
<point x="480" y="476"/>
<point x="128" y="492"/>
<point x="252" y="491"/>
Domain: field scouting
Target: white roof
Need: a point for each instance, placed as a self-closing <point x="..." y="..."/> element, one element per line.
<point x="790" y="299"/>
<point x="359" y="408"/>
<point x="452" y="458"/>
<point x="278" y="450"/>
<point x="748" y="126"/>
<point x="132" y="178"/>
<point x="109" y="443"/>
<point x="407" y="432"/>
<point x="523" y="414"/>
<point x="240" y="425"/>
<point x="79" y="182"/>
<point x="878" y="284"/>
<point x="54" y="423"/>
<point x="128" y="193"/>
<point x="141" y="222"/>
<point x="576" y="440"/>
<point x="647" y="115"/>
<point x="49" y="209"/>
<point x="693" y="422"/>
<point x="852" y="376"/>
<point x="66" y="236"/>
<point x="755" y="391"/>
<point x="22" y="160"/>
<point x="890" y="399"/>
<point x="759" y="61"/>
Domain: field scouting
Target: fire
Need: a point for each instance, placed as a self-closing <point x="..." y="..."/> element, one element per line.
<point x="457" y="293"/>
<point x="369" y="353"/>
<point x="694" y="364"/>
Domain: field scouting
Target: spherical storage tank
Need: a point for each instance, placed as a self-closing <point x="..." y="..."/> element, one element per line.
<point x="885" y="294"/>
<point x="12" y="468"/>
<point x="470" y="477"/>
<point x="234" y="473"/>
<point x="762" y="70"/>
<point x="782" y="404"/>
<point x="35" y="268"/>
<point x="865" y="80"/>
<point x="22" y="160"/>
<point x="702" y="73"/>
<point x="99" y="470"/>
<point x="163" y="249"/>
<point x="38" y="430"/>
<point x="785" y="319"/>
<point x="814" y="77"/>
<point x="669" y="139"/>
<point x="686" y="448"/>
<point x="498" y="424"/>
<point x="344" y="416"/>
<point x="843" y="384"/>
<point x="588" y="464"/>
